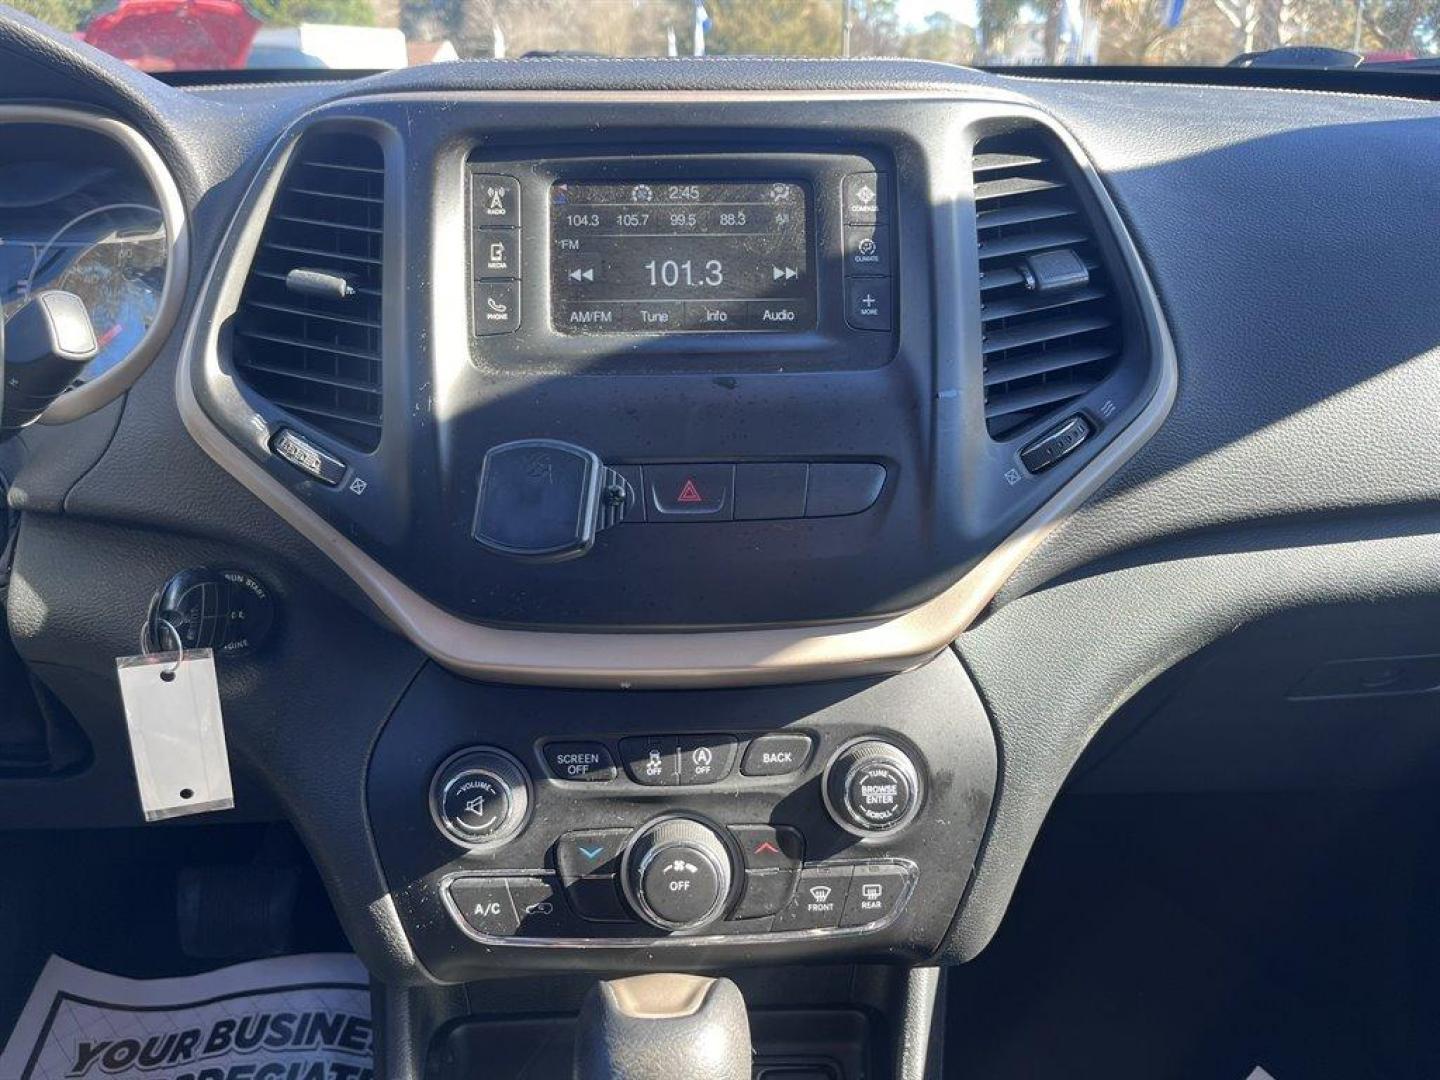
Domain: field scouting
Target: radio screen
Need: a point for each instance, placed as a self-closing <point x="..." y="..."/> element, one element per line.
<point x="663" y="258"/>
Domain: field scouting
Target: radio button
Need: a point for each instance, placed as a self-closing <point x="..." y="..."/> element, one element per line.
<point x="688" y="492"/>
<point x="867" y="250"/>
<point x="497" y="254"/>
<point x="494" y="201"/>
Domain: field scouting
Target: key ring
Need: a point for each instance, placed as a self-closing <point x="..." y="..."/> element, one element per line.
<point x="146" y="647"/>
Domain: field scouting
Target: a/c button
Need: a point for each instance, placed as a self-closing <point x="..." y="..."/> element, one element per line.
<point x="775" y="755"/>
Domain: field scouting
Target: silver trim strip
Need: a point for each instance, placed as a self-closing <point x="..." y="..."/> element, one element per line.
<point x="99" y="392"/>
<point x="879" y="645"/>
<point x="826" y="933"/>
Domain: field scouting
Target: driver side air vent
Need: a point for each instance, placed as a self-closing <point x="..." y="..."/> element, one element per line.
<point x="314" y="353"/>
<point x="1049" y="315"/>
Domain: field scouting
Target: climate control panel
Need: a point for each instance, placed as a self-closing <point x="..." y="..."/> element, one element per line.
<point x="678" y="873"/>
<point x="680" y="829"/>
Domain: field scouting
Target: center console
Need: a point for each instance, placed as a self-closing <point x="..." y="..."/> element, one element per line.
<point x="667" y="831"/>
<point x="685" y="434"/>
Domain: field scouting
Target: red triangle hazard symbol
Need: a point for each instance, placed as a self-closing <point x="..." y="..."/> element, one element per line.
<point x="689" y="493"/>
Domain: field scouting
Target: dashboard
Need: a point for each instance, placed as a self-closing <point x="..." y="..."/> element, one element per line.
<point x="707" y="509"/>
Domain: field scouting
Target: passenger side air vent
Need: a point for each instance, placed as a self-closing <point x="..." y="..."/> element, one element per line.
<point x="310" y="342"/>
<point x="1050" y="320"/>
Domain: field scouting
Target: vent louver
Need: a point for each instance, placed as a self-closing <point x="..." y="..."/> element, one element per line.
<point x="315" y="355"/>
<point x="1047" y="338"/>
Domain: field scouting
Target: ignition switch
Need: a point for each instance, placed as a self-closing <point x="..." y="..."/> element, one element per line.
<point x="230" y="611"/>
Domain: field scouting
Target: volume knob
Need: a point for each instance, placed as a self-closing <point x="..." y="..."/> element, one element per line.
<point x="480" y="797"/>
<point x="872" y="787"/>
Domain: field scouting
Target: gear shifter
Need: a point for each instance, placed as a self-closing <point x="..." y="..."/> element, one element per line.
<point x="663" y="1027"/>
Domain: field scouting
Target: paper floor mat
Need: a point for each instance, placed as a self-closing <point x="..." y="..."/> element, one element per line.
<point x="292" y="1018"/>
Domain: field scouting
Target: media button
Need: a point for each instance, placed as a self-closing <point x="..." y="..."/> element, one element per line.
<point x="497" y="254"/>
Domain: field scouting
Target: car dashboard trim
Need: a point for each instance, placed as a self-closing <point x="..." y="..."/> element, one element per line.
<point x="668" y="659"/>
<point x="95" y="394"/>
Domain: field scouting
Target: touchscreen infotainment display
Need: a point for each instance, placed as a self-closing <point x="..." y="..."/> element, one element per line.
<point x="655" y="257"/>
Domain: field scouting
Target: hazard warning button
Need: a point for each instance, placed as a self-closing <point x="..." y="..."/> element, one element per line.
<point x="689" y="492"/>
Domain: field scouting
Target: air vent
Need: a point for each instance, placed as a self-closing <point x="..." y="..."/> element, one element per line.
<point x="314" y="354"/>
<point x="1051" y="324"/>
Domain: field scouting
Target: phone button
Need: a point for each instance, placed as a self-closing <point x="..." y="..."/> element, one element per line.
<point x="496" y="307"/>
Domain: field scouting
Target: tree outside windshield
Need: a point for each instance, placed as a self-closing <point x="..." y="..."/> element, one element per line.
<point x="364" y="34"/>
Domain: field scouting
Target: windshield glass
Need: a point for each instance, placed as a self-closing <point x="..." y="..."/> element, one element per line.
<point x="194" y="35"/>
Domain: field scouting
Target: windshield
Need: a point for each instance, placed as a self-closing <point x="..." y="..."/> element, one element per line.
<point x="196" y="35"/>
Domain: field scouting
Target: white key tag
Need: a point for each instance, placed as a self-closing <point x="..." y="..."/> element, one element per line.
<point x="177" y="736"/>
